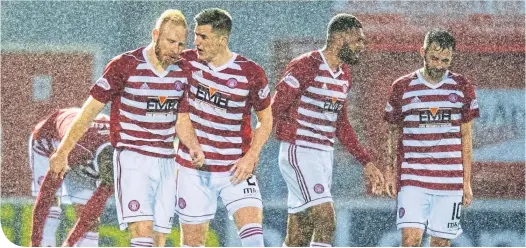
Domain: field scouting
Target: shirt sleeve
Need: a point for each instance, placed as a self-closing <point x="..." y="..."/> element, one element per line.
<point x="260" y="92"/>
<point x="110" y="84"/>
<point x="393" y="110"/>
<point x="347" y="137"/>
<point x="288" y="90"/>
<point x="470" y="109"/>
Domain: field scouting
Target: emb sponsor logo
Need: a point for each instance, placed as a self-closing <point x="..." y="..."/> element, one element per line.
<point x="333" y="104"/>
<point x="161" y="105"/>
<point x="212" y="96"/>
<point x="434" y="117"/>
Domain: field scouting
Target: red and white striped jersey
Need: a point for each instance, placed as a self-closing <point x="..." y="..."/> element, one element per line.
<point x="430" y="150"/>
<point x="144" y="102"/>
<point x="310" y="106"/>
<point x="48" y="133"/>
<point x="220" y="101"/>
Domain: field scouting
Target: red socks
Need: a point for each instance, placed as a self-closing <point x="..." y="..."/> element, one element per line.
<point x="45" y="197"/>
<point x="93" y="209"/>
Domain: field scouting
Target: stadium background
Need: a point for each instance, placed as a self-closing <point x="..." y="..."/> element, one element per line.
<point x="51" y="52"/>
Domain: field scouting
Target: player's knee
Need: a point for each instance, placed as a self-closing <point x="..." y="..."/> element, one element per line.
<point x="193" y="239"/>
<point x="194" y="235"/>
<point x="325" y="226"/>
<point x="159" y="239"/>
<point x="297" y="222"/>
<point x="411" y="241"/>
<point x="411" y="236"/>
<point x="248" y="215"/>
<point x="299" y="230"/>
<point x="323" y="216"/>
<point x="141" y="229"/>
<point x="440" y="242"/>
<point x="298" y="237"/>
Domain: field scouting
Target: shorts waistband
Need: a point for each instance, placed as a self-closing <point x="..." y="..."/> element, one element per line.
<point x="203" y="173"/>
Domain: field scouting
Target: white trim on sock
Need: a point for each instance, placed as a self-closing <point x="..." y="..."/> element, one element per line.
<point x="141" y="242"/>
<point x="315" y="244"/>
<point x="90" y="239"/>
<point x="251" y="235"/>
<point x="51" y="224"/>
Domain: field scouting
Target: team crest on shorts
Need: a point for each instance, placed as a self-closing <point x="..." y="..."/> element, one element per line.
<point x="401" y="212"/>
<point x="178" y="85"/>
<point x="134" y="205"/>
<point x="182" y="203"/>
<point x="231" y="83"/>
<point x="318" y="188"/>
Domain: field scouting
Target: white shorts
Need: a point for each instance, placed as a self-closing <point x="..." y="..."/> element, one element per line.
<point x="440" y="213"/>
<point x="198" y="191"/>
<point x="77" y="187"/>
<point x="308" y="174"/>
<point x="144" y="189"/>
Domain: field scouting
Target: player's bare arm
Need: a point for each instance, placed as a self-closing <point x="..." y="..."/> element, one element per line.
<point x="59" y="160"/>
<point x="347" y="136"/>
<point x="467" y="156"/>
<point x="186" y="133"/>
<point x="391" y="172"/>
<point x="243" y="167"/>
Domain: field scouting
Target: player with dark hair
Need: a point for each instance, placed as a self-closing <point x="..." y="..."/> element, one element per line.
<point x="430" y="112"/>
<point x="225" y="88"/>
<point x="310" y="111"/>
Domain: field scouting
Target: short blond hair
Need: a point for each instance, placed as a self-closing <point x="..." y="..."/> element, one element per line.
<point x="171" y="15"/>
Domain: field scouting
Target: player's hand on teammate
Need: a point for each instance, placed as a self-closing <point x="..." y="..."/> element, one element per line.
<point x="198" y="157"/>
<point x="391" y="183"/>
<point x="243" y="168"/>
<point x="467" y="196"/>
<point x="58" y="165"/>
<point x="375" y="178"/>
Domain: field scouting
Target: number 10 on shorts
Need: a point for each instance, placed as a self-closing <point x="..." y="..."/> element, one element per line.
<point x="456" y="211"/>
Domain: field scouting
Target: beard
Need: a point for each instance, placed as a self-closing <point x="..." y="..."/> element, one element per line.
<point x="165" y="60"/>
<point x="158" y="52"/>
<point x="347" y="55"/>
<point x="434" y="73"/>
